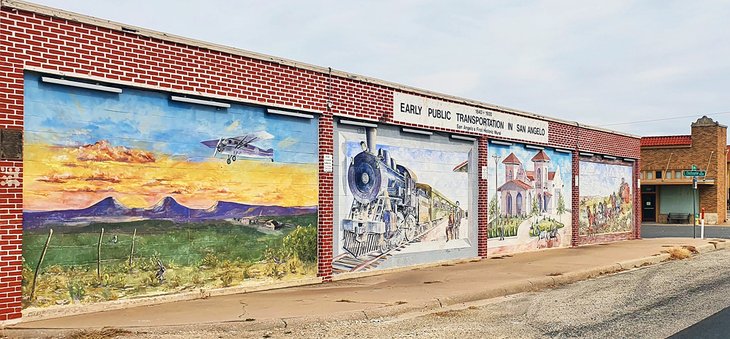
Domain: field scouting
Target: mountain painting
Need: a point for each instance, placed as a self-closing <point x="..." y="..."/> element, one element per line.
<point x="134" y="194"/>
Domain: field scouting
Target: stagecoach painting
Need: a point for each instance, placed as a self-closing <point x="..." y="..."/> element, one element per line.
<point x="606" y="199"/>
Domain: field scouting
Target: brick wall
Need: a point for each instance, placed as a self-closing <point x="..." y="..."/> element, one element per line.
<point x="483" y="202"/>
<point x="575" y="201"/>
<point x="325" y="212"/>
<point x="637" y="201"/>
<point x="39" y="42"/>
<point x="709" y="140"/>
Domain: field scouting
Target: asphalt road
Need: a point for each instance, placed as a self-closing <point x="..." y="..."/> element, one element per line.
<point x="655" y="231"/>
<point x="716" y="326"/>
<point x="652" y="302"/>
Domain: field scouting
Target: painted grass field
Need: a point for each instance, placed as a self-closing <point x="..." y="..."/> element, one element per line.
<point x="510" y="225"/>
<point x="208" y="255"/>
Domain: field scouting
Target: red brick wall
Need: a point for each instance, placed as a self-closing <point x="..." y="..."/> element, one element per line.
<point x="11" y="238"/>
<point x="637" y="200"/>
<point x="325" y="211"/>
<point x="39" y="42"/>
<point x="575" y="201"/>
<point x="483" y="202"/>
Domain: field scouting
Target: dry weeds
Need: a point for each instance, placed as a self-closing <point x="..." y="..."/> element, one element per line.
<point x="678" y="253"/>
<point x="103" y="333"/>
<point x="691" y="249"/>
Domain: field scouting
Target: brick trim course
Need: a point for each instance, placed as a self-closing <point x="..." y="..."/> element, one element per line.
<point x="30" y="40"/>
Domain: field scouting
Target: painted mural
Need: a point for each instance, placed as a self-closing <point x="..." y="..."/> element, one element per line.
<point x="529" y="206"/>
<point x="134" y="194"/>
<point x="399" y="198"/>
<point x="606" y="198"/>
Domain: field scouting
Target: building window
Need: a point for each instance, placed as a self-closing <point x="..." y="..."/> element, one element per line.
<point x="658" y="174"/>
<point x="669" y="175"/>
<point x="641" y="175"/>
<point x="678" y="174"/>
<point x="649" y="175"/>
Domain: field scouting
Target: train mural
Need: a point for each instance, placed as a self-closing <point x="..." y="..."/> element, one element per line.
<point x="391" y="208"/>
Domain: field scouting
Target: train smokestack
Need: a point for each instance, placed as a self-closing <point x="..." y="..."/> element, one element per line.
<point x="371" y="135"/>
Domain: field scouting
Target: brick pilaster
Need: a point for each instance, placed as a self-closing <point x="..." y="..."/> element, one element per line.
<point x="483" y="201"/>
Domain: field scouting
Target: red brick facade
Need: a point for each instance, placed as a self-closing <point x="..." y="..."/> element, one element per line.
<point x="76" y="46"/>
<point x="706" y="148"/>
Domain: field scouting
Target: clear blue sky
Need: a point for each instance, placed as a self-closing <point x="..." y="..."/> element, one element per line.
<point x="597" y="62"/>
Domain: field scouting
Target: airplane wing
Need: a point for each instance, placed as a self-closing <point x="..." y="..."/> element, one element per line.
<point x="211" y="143"/>
<point x="242" y="141"/>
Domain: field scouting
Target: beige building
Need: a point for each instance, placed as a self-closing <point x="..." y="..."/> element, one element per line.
<point x="666" y="194"/>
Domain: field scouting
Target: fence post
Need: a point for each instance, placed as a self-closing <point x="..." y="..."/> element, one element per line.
<point x="98" y="254"/>
<point x="40" y="261"/>
<point x="131" y="250"/>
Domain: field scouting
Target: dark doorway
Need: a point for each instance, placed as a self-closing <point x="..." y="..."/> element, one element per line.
<point x="648" y="206"/>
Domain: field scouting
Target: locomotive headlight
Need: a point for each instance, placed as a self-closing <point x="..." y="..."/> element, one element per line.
<point x="365" y="178"/>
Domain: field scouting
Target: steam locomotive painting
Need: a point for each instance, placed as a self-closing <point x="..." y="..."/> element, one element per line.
<point x="391" y="207"/>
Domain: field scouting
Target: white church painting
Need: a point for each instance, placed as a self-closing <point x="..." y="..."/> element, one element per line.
<point x="521" y="186"/>
<point x="529" y="198"/>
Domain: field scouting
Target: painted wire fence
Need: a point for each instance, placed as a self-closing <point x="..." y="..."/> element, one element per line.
<point x="106" y="262"/>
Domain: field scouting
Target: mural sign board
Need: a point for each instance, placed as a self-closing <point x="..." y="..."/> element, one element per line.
<point x="436" y="113"/>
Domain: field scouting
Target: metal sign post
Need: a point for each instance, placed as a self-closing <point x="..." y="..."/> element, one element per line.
<point x="694" y="173"/>
<point x="694" y="207"/>
<point x="702" y="223"/>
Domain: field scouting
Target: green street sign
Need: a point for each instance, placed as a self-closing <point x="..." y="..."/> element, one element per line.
<point x="694" y="173"/>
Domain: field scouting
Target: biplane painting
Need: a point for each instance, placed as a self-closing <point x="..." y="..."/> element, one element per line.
<point x="402" y="203"/>
<point x="241" y="147"/>
<point x="529" y="202"/>
<point x="606" y="198"/>
<point x="145" y="195"/>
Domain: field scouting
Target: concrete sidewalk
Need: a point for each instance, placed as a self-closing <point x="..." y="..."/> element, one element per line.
<point x="392" y="293"/>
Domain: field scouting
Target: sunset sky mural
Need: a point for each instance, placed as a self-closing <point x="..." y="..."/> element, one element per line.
<point x="153" y="181"/>
<point x="139" y="147"/>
